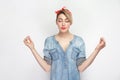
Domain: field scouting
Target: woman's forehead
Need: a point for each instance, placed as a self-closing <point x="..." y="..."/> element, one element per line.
<point x="62" y="16"/>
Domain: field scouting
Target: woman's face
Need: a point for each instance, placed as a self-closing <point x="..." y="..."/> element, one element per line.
<point x="63" y="23"/>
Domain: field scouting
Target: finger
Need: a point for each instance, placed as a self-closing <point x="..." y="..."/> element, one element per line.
<point x="100" y="40"/>
<point x="29" y="39"/>
<point x="26" y="40"/>
<point x="103" y="41"/>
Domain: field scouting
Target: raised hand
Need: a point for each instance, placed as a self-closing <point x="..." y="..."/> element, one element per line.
<point x="101" y="44"/>
<point x="28" y="42"/>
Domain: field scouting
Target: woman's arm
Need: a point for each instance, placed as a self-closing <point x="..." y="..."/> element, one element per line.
<point x="29" y="43"/>
<point x="91" y="58"/>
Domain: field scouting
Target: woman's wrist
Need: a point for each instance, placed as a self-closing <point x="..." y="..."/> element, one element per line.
<point x="32" y="48"/>
<point x="97" y="49"/>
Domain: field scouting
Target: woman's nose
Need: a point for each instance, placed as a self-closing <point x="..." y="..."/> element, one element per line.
<point x="63" y="23"/>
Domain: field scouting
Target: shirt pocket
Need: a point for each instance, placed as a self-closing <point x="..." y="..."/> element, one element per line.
<point x="75" y="53"/>
<point x="54" y="54"/>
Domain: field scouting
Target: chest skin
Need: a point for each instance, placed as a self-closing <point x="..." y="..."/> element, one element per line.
<point x="64" y="45"/>
<point x="64" y="42"/>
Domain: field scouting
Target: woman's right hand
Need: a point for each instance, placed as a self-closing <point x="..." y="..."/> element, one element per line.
<point x="28" y="42"/>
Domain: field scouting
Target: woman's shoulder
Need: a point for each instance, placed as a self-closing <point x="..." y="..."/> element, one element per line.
<point x="49" y="38"/>
<point x="50" y="42"/>
<point x="78" y="38"/>
<point x="78" y="41"/>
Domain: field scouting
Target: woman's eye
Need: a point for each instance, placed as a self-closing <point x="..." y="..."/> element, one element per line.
<point x="67" y="21"/>
<point x="59" y="20"/>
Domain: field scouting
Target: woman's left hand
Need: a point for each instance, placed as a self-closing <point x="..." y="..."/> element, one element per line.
<point x="101" y="44"/>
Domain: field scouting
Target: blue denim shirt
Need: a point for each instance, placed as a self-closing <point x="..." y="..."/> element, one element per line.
<point x="64" y="64"/>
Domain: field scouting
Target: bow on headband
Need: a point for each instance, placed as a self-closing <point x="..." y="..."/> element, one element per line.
<point x="58" y="11"/>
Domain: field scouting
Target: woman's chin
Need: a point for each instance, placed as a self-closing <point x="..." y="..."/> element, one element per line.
<point x="63" y="31"/>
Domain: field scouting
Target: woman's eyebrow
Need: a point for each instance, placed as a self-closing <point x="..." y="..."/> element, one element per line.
<point x="63" y="19"/>
<point x="60" y="18"/>
<point x="66" y="19"/>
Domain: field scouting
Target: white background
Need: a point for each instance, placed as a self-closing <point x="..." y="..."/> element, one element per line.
<point x="92" y="19"/>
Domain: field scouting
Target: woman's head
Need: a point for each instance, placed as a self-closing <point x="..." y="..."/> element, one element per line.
<point x="66" y="12"/>
<point x="63" y="19"/>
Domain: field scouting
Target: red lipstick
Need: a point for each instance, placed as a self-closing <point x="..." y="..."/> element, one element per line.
<point x="63" y="28"/>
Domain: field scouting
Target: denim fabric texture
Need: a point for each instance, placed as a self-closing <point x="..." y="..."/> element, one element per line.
<point x="64" y="64"/>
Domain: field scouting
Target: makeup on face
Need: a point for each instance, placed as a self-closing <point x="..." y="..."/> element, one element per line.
<point x="63" y="27"/>
<point x="61" y="20"/>
<point x="63" y="23"/>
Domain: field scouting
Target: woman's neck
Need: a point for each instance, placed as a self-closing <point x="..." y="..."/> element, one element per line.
<point x="63" y="35"/>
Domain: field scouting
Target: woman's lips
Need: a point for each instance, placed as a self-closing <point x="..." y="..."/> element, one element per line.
<point x="63" y="28"/>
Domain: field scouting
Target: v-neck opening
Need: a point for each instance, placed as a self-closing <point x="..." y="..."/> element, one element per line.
<point x="68" y="44"/>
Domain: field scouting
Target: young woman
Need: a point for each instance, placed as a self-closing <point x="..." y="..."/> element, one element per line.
<point x="64" y="53"/>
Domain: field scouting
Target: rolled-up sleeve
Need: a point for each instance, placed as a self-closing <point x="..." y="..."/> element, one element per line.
<point x="46" y="52"/>
<point x="81" y="56"/>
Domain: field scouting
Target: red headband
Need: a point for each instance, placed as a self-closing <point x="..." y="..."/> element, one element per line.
<point x="58" y="11"/>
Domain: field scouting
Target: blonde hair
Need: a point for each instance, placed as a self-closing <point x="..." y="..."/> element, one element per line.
<point x="66" y="12"/>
